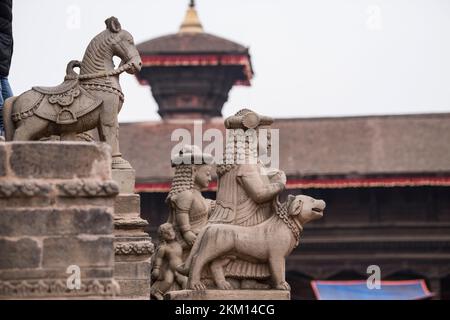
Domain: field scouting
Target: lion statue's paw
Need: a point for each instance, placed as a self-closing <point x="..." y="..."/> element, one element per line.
<point x="283" y="286"/>
<point x="224" y="285"/>
<point x="197" y="286"/>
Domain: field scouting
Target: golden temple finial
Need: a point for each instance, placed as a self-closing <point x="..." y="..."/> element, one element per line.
<point x="191" y="22"/>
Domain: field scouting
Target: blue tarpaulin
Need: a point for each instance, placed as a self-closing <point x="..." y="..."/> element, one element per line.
<point x="358" y="290"/>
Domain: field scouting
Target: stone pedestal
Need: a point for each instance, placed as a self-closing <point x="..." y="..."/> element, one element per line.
<point x="133" y="246"/>
<point x="56" y="221"/>
<point x="228" y="295"/>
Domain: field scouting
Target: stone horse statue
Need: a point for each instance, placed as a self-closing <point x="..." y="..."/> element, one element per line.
<point x="85" y="101"/>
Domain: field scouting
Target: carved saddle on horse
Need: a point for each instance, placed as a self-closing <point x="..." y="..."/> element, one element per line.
<point x="65" y="103"/>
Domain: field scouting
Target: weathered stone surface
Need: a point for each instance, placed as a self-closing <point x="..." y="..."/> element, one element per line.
<point x="52" y="221"/>
<point x="134" y="289"/>
<point x="14" y="188"/>
<point x="63" y="160"/>
<point x="31" y="202"/>
<point x="57" y="288"/>
<point x="81" y="188"/>
<point x="2" y="159"/>
<point x="55" y="273"/>
<point x="84" y="250"/>
<point x="133" y="270"/>
<point x="125" y="178"/>
<point x="127" y="203"/>
<point x="87" y="188"/>
<point x="132" y="258"/>
<point x="228" y="295"/>
<point x="106" y="202"/>
<point x="123" y="225"/>
<point x="134" y="248"/>
<point x="21" y="253"/>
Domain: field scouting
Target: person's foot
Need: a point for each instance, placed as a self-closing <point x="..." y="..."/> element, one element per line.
<point x="2" y="138"/>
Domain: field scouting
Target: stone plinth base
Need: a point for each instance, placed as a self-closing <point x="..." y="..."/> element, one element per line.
<point x="56" y="221"/>
<point x="228" y="295"/>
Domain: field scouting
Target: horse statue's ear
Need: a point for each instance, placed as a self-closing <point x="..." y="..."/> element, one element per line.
<point x="113" y="24"/>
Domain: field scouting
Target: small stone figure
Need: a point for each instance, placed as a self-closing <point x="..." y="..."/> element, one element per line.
<point x="167" y="258"/>
<point x="189" y="210"/>
<point x="85" y="101"/>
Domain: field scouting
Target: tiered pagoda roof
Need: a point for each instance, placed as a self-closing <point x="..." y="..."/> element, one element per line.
<point x="191" y="72"/>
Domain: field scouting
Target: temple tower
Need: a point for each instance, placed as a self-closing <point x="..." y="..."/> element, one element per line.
<point x="191" y="72"/>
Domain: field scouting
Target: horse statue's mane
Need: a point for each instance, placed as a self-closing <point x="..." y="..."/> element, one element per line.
<point x="100" y="47"/>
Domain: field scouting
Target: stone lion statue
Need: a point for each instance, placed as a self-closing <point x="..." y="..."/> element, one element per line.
<point x="270" y="241"/>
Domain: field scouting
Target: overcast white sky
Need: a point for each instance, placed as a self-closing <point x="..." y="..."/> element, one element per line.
<point x="311" y="57"/>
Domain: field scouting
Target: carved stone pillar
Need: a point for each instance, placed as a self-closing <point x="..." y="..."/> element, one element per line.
<point x="133" y="246"/>
<point x="56" y="221"/>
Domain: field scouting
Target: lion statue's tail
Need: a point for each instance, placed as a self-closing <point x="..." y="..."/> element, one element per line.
<point x="7" y="118"/>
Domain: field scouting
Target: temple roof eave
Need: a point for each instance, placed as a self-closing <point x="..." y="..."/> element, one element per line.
<point x="190" y="43"/>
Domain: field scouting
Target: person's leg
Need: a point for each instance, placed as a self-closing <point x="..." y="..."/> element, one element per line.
<point x="2" y="129"/>
<point x="6" y="88"/>
<point x="6" y="92"/>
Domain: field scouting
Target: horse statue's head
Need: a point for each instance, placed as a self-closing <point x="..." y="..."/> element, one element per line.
<point x="114" y="41"/>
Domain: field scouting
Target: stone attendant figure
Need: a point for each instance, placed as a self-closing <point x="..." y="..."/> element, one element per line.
<point x="246" y="191"/>
<point x="189" y="210"/>
<point x="168" y="256"/>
